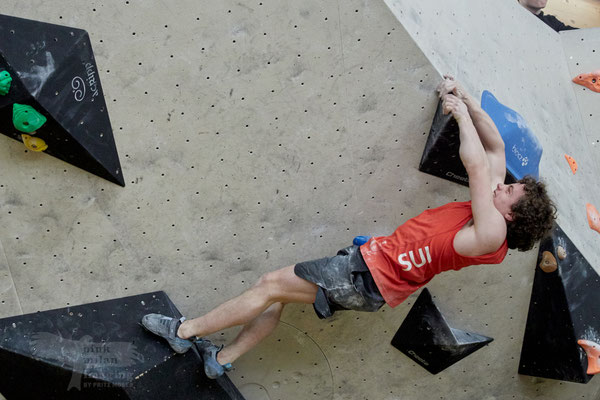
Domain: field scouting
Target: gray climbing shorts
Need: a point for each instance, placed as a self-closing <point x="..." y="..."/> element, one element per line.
<point x="345" y="283"/>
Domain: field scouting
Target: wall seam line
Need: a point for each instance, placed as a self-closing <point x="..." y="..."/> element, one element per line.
<point x="11" y="278"/>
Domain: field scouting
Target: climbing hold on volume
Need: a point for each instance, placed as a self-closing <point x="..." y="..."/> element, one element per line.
<point x="561" y="253"/>
<point x="548" y="263"/>
<point x="34" y="143"/>
<point x="26" y="118"/>
<point x="590" y="81"/>
<point x="5" y="80"/>
<point x="592" y="350"/>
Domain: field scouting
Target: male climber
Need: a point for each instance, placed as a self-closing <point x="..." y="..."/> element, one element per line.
<point x="387" y="269"/>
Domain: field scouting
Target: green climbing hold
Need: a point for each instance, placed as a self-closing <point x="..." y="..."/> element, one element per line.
<point x="26" y="118"/>
<point x="5" y="80"/>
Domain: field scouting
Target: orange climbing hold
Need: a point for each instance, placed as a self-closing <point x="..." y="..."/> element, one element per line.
<point x="548" y="263"/>
<point x="592" y="350"/>
<point x="572" y="163"/>
<point x="590" y="81"/>
<point x="593" y="217"/>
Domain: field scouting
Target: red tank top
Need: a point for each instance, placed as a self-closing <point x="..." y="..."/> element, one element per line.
<point x="419" y="249"/>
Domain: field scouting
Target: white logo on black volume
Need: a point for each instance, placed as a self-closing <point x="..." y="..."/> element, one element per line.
<point x="460" y="178"/>
<point x="412" y="353"/>
<point x="78" y="83"/>
<point x="78" y="86"/>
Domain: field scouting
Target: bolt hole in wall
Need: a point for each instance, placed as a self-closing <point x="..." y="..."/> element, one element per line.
<point x="579" y="13"/>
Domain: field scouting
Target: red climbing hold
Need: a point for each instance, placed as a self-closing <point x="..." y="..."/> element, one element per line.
<point x="590" y="81"/>
<point x="593" y="217"/>
<point x="592" y="350"/>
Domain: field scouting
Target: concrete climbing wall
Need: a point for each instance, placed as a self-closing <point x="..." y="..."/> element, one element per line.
<point x="582" y="52"/>
<point x="253" y="135"/>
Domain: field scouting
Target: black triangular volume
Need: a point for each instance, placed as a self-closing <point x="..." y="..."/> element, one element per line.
<point x="60" y="144"/>
<point x="99" y="351"/>
<point x="54" y="71"/>
<point x="426" y="337"/>
<point x="564" y="308"/>
<point x="440" y="157"/>
<point x="441" y="154"/>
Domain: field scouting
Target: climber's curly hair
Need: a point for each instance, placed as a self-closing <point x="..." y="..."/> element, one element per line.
<point x="533" y="216"/>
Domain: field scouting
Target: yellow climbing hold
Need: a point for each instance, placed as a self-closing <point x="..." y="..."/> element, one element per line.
<point x="34" y="143"/>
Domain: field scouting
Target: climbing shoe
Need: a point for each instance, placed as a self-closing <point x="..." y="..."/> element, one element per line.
<point x="209" y="352"/>
<point x="166" y="327"/>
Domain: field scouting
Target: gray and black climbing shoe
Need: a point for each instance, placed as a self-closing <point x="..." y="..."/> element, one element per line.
<point x="166" y="327"/>
<point x="209" y="352"/>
